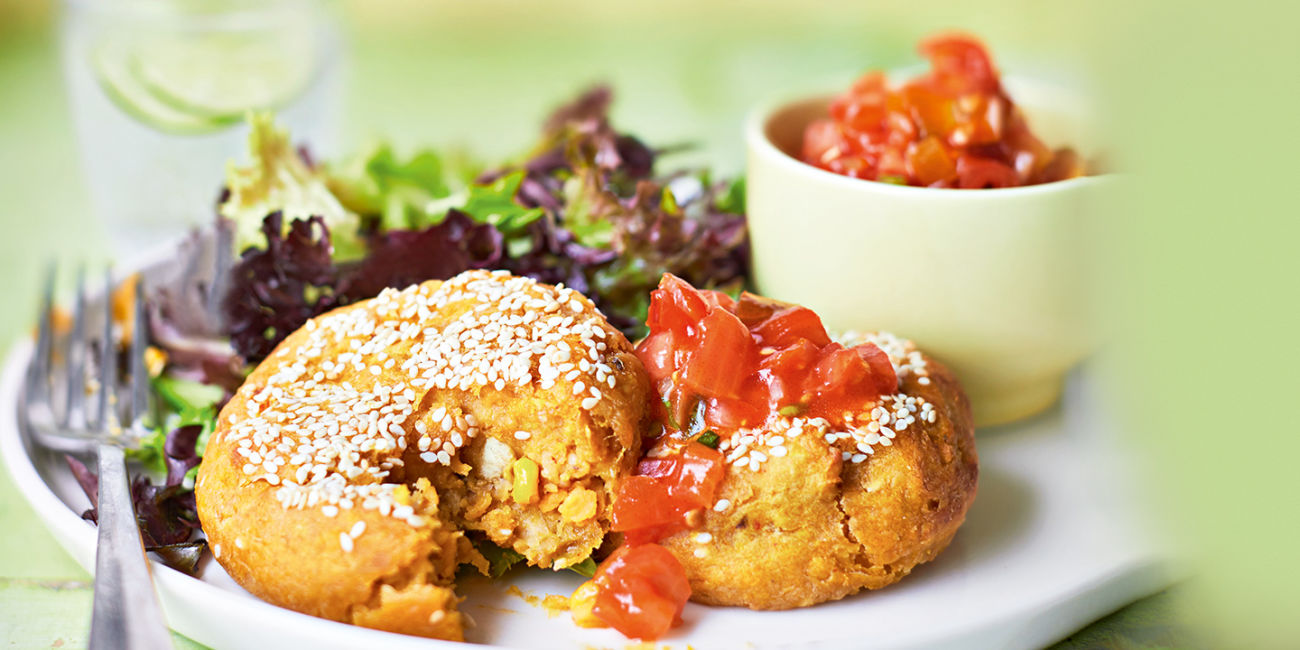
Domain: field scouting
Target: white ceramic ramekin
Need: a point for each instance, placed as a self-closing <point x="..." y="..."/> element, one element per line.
<point x="991" y="282"/>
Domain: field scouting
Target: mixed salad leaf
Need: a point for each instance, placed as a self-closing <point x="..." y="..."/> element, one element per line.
<point x="586" y="207"/>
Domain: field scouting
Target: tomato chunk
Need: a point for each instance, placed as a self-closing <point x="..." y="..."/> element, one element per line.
<point x="791" y="325"/>
<point x="697" y="475"/>
<point x="784" y="370"/>
<point x="656" y="354"/>
<point x="961" y="64"/>
<point x="641" y="591"/>
<point x="882" y="369"/>
<point x="929" y="163"/>
<point x="653" y="504"/>
<point x="753" y="309"/>
<point x="675" y="305"/>
<point x="719" y="361"/>
<point x="645" y="502"/>
<point x="841" y="375"/>
<point x="975" y="173"/>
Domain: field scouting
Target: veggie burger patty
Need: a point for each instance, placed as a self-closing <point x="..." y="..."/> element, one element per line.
<point x="344" y="475"/>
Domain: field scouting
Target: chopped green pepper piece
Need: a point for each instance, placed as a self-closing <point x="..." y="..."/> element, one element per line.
<point x="708" y="439"/>
<point x="791" y="410"/>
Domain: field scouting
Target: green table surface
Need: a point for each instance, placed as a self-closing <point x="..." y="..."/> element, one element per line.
<point x="443" y="84"/>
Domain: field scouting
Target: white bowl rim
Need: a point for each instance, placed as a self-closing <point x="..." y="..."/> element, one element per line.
<point x="758" y="143"/>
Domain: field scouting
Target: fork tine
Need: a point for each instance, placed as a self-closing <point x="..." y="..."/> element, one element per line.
<point x="223" y="258"/>
<point x="107" y="359"/>
<point x="38" y="372"/>
<point x="75" y="358"/>
<point x="139" y="374"/>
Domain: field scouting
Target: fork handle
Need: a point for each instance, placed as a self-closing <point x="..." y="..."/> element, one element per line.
<point x="126" y="612"/>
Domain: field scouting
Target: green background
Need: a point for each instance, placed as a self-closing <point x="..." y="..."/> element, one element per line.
<point x="1197" y="265"/>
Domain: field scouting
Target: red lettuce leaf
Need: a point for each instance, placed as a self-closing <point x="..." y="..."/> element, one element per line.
<point x="166" y="514"/>
<point x="400" y="258"/>
<point x="274" y="290"/>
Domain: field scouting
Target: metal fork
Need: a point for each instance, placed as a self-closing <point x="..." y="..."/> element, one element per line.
<point x="125" y="613"/>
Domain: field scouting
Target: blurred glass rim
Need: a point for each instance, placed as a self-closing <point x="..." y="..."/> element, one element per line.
<point x="213" y="15"/>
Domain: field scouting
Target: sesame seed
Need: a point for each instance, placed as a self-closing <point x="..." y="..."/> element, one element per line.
<point x="700" y="552"/>
<point x="703" y="538"/>
<point x="357" y="529"/>
<point x="522" y="435"/>
<point x="330" y="511"/>
<point x="346" y="542"/>
<point x="722" y="505"/>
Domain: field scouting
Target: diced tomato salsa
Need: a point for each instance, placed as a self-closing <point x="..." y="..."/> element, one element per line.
<point x="736" y="363"/>
<point x="955" y="127"/>
<point x="641" y="588"/>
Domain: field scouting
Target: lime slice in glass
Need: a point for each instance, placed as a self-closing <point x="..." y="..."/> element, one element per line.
<point x="204" y="82"/>
<point x="120" y="80"/>
<point x="224" y="73"/>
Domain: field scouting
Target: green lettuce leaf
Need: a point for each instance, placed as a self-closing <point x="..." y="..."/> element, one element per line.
<point x="181" y="403"/>
<point x="585" y="568"/>
<point x="494" y="203"/>
<point x="500" y="560"/>
<point x="377" y="183"/>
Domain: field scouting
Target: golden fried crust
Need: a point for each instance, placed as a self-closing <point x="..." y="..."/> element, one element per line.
<point x="809" y="528"/>
<point x="905" y="505"/>
<point x="396" y="572"/>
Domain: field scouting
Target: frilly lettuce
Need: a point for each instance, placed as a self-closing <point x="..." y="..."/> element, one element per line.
<point x="278" y="179"/>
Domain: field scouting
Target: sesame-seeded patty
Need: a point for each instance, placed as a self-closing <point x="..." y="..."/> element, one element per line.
<point x="342" y="475"/>
<point x="808" y="513"/>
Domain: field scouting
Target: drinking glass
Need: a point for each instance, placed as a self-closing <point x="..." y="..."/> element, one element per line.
<point x="160" y="90"/>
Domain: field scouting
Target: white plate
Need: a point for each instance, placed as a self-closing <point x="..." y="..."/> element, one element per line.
<point x="1051" y="543"/>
